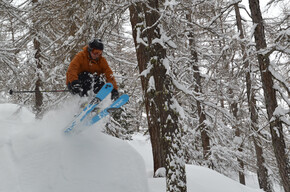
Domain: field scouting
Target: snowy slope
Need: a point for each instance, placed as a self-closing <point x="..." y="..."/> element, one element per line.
<point x="36" y="156"/>
<point x="199" y="179"/>
<point x="214" y="181"/>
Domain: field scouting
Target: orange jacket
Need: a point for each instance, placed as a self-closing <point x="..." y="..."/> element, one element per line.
<point x="83" y="63"/>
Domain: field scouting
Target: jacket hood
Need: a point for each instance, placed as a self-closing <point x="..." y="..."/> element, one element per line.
<point x="85" y="48"/>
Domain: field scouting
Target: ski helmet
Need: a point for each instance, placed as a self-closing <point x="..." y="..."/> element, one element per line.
<point x="96" y="44"/>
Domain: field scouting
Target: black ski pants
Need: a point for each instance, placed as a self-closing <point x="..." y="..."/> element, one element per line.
<point x="90" y="81"/>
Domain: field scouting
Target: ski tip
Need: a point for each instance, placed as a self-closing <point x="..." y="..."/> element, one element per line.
<point x="108" y="85"/>
<point x="126" y="97"/>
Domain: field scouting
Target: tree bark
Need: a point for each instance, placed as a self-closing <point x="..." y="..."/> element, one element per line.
<point x="276" y="128"/>
<point x="163" y="121"/>
<point x="205" y="139"/>
<point x="38" y="83"/>
<point x="143" y="57"/>
<point x="234" y="110"/>
<point x="262" y="171"/>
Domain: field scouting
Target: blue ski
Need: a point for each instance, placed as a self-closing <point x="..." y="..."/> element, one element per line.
<point x="123" y="99"/>
<point x="102" y="94"/>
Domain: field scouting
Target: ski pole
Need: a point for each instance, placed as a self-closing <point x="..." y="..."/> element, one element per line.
<point x="44" y="91"/>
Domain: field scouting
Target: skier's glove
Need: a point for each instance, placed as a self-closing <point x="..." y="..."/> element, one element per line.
<point x="74" y="87"/>
<point x="114" y="94"/>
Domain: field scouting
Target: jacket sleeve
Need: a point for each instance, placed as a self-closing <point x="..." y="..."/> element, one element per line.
<point x="73" y="69"/>
<point x="109" y="73"/>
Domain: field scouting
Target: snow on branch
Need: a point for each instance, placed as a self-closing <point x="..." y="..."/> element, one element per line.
<point x="280" y="79"/>
<point x="281" y="114"/>
<point x="230" y="4"/>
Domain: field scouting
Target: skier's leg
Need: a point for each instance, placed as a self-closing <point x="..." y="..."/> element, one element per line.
<point x="85" y="79"/>
<point x="99" y="82"/>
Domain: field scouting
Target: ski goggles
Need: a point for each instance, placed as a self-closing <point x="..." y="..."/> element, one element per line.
<point x="96" y="52"/>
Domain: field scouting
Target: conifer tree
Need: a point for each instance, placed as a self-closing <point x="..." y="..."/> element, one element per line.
<point x="161" y="106"/>
<point x="276" y="128"/>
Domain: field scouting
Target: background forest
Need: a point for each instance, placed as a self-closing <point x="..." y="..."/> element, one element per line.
<point x="209" y="80"/>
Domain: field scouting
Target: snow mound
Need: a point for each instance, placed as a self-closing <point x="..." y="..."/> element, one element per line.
<point x="214" y="181"/>
<point x="39" y="157"/>
<point x="15" y="112"/>
<point x="199" y="178"/>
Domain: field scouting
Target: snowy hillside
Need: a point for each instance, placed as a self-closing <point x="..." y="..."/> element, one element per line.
<point x="36" y="156"/>
<point x="199" y="179"/>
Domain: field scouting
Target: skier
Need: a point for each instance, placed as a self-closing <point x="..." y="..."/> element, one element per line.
<point x="86" y="69"/>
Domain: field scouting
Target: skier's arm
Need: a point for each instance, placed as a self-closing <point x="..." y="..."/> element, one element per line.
<point x="73" y="69"/>
<point x="109" y="74"/>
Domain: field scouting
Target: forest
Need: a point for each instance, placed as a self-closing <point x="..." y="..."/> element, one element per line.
<point x="208" y="80"/>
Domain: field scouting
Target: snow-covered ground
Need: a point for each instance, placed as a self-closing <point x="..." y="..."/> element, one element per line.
<point x="199" y="179"/>
<point x="36" y="156"/>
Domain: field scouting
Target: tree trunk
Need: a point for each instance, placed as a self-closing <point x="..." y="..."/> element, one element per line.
<point x="137" y="22"/>
<point x="270" y="97"/>
<point x="163" y="121"/>
<point x="234" y="110"/>
<point x="262" y="171"/>
<point x="198" y="89"/>
<point x="38" y="83"/>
